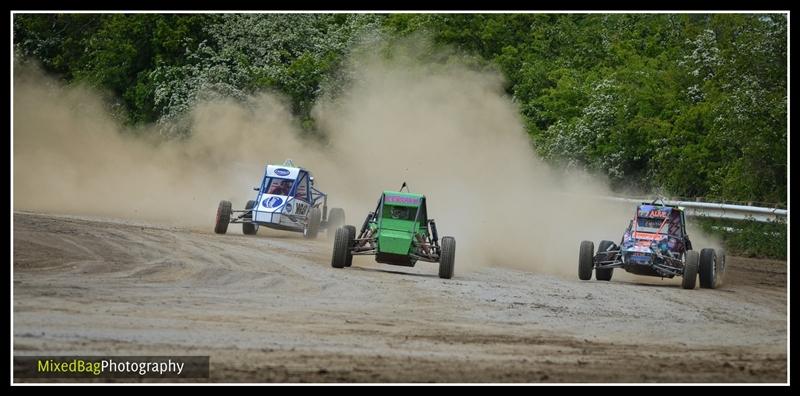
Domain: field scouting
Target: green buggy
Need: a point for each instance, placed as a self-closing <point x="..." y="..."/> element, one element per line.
<point x="398" y="232"/>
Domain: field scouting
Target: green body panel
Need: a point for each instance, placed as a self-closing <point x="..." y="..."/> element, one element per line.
<point x="395" y="235"/>
<point x="391" y="241"/>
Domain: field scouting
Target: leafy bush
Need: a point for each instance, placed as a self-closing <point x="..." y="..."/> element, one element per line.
<point x="748" y="237"/>
<point x="694" y="105"/>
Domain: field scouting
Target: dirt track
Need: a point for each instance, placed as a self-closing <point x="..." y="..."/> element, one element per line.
<point x="270" y="308"/>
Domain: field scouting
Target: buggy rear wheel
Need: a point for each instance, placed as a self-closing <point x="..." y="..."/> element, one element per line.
<point x="708" y="269"/>
<point x="352" y="236"/>
<point x="312" y="227"/>
<point x="250" y="228"/>
<point x="586" y="260"/>
<point x="448" y="257"/>
<point x="342" y="243"/>
<point x="690" y="269"/>
<point x="603" y="274"/>
<point x="223" y="217"/>
<point x="721" y="269"/>
<point x="335" y="220"/>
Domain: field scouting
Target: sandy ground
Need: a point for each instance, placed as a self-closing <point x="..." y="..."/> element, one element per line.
<point x="269" y="308"/>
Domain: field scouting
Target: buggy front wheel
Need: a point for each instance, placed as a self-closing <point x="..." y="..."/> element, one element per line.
<point x="342" y="245"/>
<point x="448" y="257"/>
<point x="603" y="274"/>
<point x="351" y="230"/>
<point x="690" y="269"/>
<point x="223" y="217"/>
<point x="250" y="228"/>
<point x="586" y="260"/>
<point x="708" y="269"/>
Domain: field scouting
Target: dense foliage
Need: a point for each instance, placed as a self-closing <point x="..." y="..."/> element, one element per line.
<point x="688" y="104"/>
<point x="748" y="237"/>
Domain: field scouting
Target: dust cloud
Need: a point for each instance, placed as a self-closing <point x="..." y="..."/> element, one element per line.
<point x="71" y="156"/>
<point x="447" y="129"/>
<point x="452" y="133"/>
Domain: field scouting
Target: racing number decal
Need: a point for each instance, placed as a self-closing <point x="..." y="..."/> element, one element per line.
<point x="300" y="208"/>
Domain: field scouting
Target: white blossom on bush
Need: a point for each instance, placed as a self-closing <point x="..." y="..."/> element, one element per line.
<point x="249" y="52"/>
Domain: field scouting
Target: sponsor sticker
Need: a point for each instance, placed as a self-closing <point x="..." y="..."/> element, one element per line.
<point x="654" y="213"/>
<point x="282" y="172"/>
<point x="272" y="202"/>
<point x="402" y="200"/>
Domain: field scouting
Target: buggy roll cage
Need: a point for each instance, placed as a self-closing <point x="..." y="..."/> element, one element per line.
<point x="665" y="265"/>
<point x="362" y="239"/>
<point x="314" y="194"/>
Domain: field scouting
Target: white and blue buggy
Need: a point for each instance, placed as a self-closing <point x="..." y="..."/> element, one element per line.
<point x="286" y="200"/>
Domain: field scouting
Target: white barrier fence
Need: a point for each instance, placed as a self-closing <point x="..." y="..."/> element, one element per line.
<point x="721" y="211"/>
